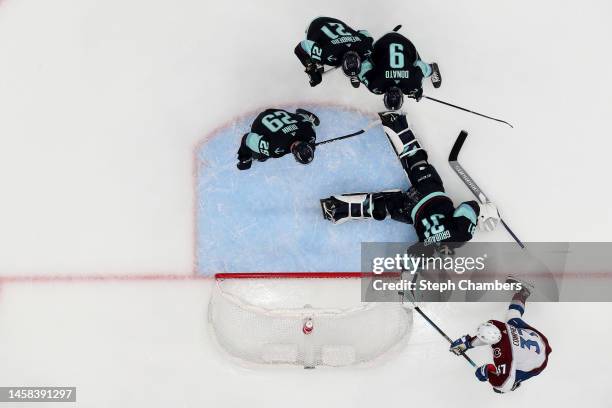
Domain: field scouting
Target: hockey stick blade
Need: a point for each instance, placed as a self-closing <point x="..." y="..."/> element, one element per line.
<point x="454" y="154"/>
<point x="467" y="180"/>
<point x="470" y="183"/>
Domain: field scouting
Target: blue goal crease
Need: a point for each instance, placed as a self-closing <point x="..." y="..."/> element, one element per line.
<point x="268" y="218"/>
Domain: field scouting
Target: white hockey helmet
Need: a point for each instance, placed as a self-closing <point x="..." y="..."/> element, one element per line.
<point x="488" y="333"/>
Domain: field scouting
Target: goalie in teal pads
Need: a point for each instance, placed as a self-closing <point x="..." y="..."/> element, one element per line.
<point x="425" y="204"/>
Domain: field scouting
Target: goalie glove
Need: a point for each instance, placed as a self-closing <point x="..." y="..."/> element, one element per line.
<point x="489" y="217"/>
<point x="462" y="344"/>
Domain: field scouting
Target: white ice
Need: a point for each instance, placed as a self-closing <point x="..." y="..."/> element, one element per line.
<point x="102" y="106"/>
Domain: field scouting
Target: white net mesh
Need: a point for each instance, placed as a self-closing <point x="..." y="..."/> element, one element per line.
<point x="259" y="321"/>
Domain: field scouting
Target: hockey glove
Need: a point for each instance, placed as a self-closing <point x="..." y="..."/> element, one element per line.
<point x="488" y="216"/>
<point x="417" y="94"/>
<point x="315" y="73"/>
<point x="244" y="164"/>
<point x="482" y="372"/>
<point x="462" y="344"/>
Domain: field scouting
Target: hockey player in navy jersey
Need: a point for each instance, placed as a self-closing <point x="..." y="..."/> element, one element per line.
<point x="277" y="132"/>
<point x="425" y="204"/>
<point x="396" y="69"/>
<point x="520" y="351"/>
<point x="332" y="42"/>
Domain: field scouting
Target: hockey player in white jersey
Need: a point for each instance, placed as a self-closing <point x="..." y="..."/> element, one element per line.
<point x="520" y="352"/>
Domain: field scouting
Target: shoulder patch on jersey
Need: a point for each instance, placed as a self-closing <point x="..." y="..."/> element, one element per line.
<point x="465" y="210"/>
<point x="252" y="141"/>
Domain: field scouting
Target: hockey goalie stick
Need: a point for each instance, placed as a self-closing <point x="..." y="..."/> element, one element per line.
<point x="359" y="132"/>
<point x="466" y="110"/>
<point x="469" y="182"/>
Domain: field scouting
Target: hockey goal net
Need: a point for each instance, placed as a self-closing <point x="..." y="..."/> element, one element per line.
<point x="307" y="319"/>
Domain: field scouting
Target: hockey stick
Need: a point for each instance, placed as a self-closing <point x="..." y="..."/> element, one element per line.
<point x="435" y="326"/>
<point x="466" y="110"/>
<point x="469" y="182"/>
<point x="370" y="125"/>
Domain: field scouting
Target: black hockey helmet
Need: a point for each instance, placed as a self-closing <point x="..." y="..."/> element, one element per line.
<point x="394" y="98"/>
<point x="303" y="152"/>
<point x="351" y="64"/>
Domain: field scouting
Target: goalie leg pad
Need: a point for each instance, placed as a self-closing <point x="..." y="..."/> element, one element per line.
<point x="382" y="201"/>
<point x="355" y="206"/>
<point x="399" y="134"/>
<point x="404" y="143"/>
<point x="342" y="208"/>
<point x="424" y="178"/>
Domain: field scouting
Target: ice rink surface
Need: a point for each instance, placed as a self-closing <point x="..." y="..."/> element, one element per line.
<point x="106" y="105"/>
<point x="275" y="223"/>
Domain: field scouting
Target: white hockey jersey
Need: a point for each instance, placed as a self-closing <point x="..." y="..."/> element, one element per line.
<point x="521" y="353"/>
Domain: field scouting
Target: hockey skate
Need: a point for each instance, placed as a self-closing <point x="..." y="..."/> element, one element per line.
<point x="334" y="210"/>
<point x="526" y="287"/>
<point x="436" y="78"/>
<point x="345" y="207"/>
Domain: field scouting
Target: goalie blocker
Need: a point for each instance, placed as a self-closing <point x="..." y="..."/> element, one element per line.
<point x="425" y="204"/>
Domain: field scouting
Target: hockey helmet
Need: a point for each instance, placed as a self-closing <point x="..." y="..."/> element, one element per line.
<point x="393" y="98"/>
<point x="351" y="64"/>
<point x="303" y="152"/>
<point x="488" y="333"/>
